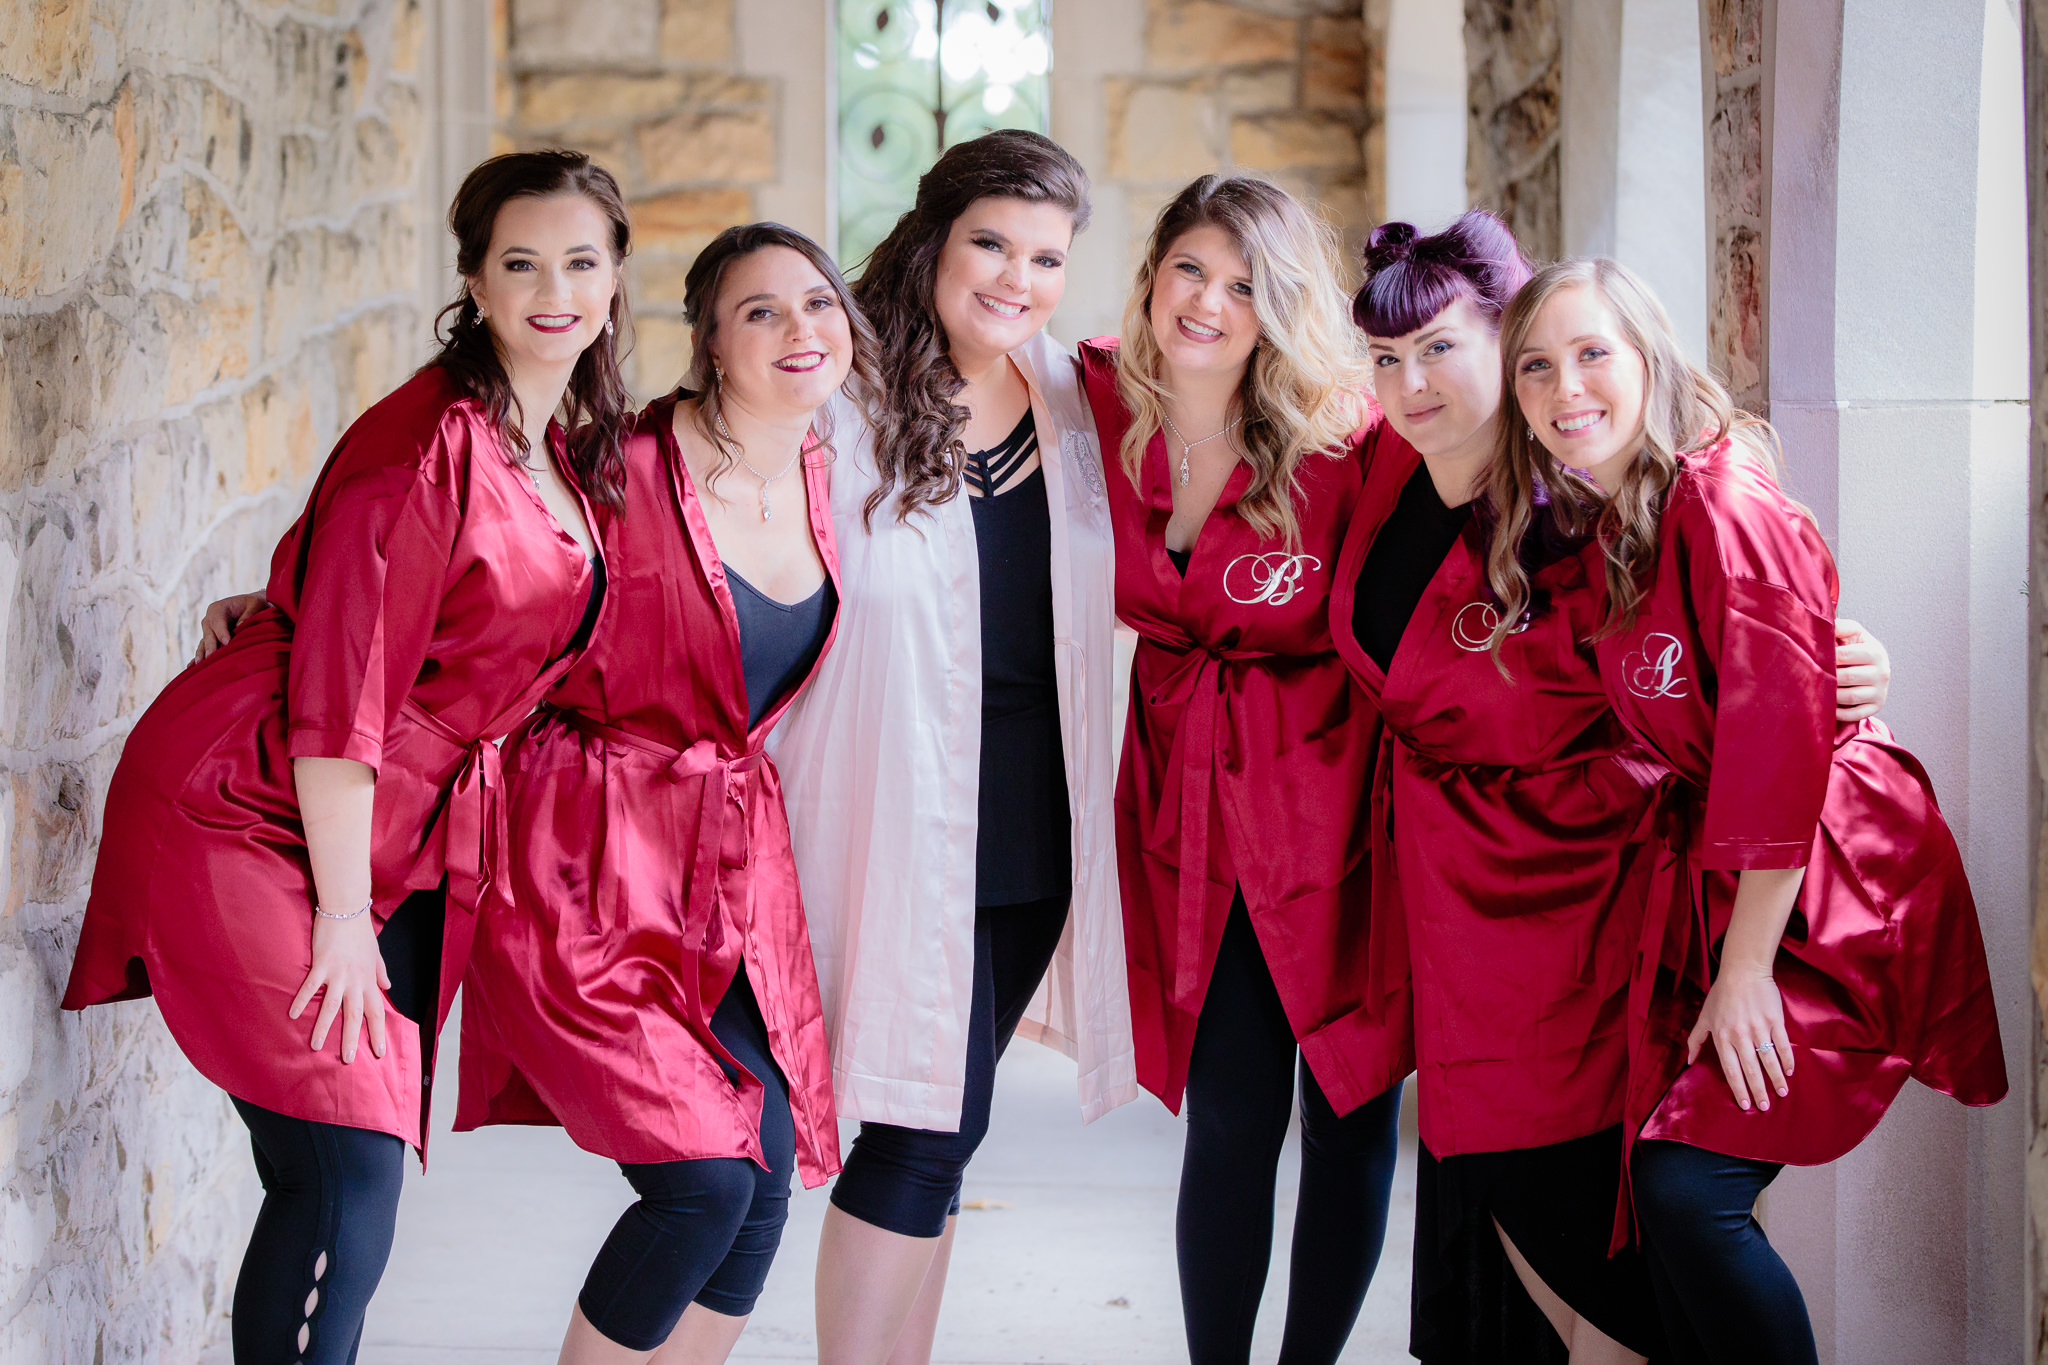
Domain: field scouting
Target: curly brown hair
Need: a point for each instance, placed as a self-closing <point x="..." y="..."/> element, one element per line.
<point x="917" y="441"/>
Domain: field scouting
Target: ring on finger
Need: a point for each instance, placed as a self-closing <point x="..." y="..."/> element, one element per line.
<point x="1762" y="1048"/>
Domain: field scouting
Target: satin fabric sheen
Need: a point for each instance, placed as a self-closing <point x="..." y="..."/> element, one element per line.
<point x="1248" y="754"/>
<point x="1728" y="676"/>
<point x="1501" y="825"/>
<point x="882" y="764"/>
<point x="418" y="609"/>
<point x="652" y="859"/>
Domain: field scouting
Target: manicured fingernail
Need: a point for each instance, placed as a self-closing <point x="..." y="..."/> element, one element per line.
<point x="1743" y="1103"/>
<point x="1764" y="1105"/>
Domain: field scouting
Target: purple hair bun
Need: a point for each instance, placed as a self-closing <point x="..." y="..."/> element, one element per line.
<point x="1409" y="279"/>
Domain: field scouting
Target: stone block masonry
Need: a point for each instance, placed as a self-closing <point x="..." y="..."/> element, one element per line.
<point x="1290" y="89"/>
<point x="208" y="267"/>
<point x="653" y="90"/>
<point x="1514" y="62"/>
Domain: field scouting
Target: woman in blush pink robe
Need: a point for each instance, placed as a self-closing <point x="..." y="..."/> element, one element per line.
<point x="1811" y="939"/>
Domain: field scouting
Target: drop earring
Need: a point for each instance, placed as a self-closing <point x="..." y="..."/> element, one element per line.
<point x="610" y="327"/>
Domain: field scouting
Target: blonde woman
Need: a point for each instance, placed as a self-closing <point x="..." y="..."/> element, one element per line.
<point x="1812" y="940"/>
<point x="1235" y="409"/>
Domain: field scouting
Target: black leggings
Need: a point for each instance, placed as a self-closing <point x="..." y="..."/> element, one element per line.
<point x="1724" y="1293"/>
<point x="703" y="1231"/>
<point x="1240" y="1097"/>
<point x="330" y="1192"/>
<point x="330" y="1203"/>
<point x="907" y="1180"/>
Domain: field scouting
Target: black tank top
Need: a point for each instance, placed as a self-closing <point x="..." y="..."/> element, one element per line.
<point x="1405" y="555"/>
<point x="779" y="641"/>
<point x="1024" y="851"/>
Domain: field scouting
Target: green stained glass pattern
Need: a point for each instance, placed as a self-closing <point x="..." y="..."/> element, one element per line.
<point x="916" y="77"/>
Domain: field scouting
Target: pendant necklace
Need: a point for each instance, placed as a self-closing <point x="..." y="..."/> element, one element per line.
<point x="1187" y="445"/>
<point x="767" y="512"/>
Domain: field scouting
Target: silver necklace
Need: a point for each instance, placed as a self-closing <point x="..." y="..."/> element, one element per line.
<point x="767" y="512"/>
<point x="1186" y="445"/>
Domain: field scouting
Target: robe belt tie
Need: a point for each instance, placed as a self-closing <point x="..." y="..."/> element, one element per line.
<point x="1662" y="833"/>
<point x="727" y="786"/>
<point x="1386" y="940"/>
<point x="473" y="826"/>
<point x="1195" y="683"/>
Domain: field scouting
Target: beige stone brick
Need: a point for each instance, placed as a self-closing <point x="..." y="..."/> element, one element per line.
<point x="1735" y="153"/>
<point x="697" y="31"/>
<point x="661" y="355"/>
<point x="1294" y="141"/>
<point x="222" y="269"/>
<point x="716" y="146"/>
<point x="555" y="99"/>
<point x="47" y="44"/>
<point x="1163" y="132"/>
<point x="1334" y="70"/>
<point x="657" y="281"/>
<point x="408" y="31"/>
<point x="1190" y="35"/>
<point x="1735" y="35"/>
<point x="1260" y="92"/>
<point x="562" y="31"/>
<point x="682" y="221"/>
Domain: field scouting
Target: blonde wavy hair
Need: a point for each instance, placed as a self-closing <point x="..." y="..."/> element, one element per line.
<point x="1302" y="391"/>
<point x="1684" y="408"/>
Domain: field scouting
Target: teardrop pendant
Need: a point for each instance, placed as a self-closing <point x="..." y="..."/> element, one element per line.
<point x="766" y="510"/>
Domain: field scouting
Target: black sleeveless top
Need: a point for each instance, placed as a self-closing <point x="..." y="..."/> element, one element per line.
<point x="779" y="641"/>
<point x="1405" y="555"/>
<point x="1024" y="852"/>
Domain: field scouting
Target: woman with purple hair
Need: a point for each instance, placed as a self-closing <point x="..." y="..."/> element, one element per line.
<point x="1509" y="824"/>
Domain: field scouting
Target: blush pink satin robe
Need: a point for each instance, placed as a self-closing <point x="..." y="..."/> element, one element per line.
<point x="1728" y="676"/>
<point x="651" y="856"/>
<point x="1501" y="823"/>
<point x="1247" y="760"/>
<point x="418" y="608"/>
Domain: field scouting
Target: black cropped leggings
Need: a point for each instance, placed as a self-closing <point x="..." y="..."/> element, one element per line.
<point x="703" y="1231"/>
<point x="330" y="1192"/>
<point x="1241" y="1082"/>
<point x="907" y="1180"/>
<point x="1725" y="1295"/>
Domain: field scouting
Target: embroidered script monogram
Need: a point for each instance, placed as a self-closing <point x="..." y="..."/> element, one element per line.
<point x="1652" y="671"/>
<point x="1474" y="625"/>
<point x="1272" y="578"/>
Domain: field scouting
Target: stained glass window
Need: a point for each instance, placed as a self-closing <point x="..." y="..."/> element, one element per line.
<point x="917" y="76"/>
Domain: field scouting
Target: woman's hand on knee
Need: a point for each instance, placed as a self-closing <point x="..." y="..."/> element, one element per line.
<point x="217" y="627"/>
<point x="348" y="974"/>
<point x="1744" y="1017"/>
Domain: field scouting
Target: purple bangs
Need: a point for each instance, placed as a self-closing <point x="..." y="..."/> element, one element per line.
<point x="1410" y="279"/>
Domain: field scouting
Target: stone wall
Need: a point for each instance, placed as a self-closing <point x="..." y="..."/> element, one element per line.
<point x="1291" y="89"/>
<point x="208" y="266"/>
<point x="2035" y="20"/>
<point x="654" y="91"/>
<point x="1733" y="33"/>
<point x="1514" y="56"/>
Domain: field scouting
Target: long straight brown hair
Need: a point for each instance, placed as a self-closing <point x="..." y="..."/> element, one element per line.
<point x="596" y="408"/>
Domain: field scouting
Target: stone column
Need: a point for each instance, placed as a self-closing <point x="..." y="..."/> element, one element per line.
<point x="1731" y="36"/>
<point x="1514" y="60"/>
<point x="2035" y="47"/>
<point x="1425" y="119"/>
<point x="1896" y="375"/>
<point x="1633" y="173"/>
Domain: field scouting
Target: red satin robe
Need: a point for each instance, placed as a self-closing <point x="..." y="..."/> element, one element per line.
<point x="650" y="856"/>
<point x="1501" y="825"/>
<point x="1728" y="675"/>
<point x="418" y="608"/>
<point x="1246" y="762"/>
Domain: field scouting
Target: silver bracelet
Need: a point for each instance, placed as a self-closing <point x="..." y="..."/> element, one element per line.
<point x="353" y="914"/>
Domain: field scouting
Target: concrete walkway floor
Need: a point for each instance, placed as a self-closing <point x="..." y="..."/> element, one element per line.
<point x="1070" y="1259"/>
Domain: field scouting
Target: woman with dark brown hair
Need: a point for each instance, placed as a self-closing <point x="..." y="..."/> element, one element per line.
<point x="949" y="771"/>
<point x="313" y="814"/>
<point x="650" y="986"/>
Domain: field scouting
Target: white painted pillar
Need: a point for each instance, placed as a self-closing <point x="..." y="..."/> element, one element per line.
<point x="1634" y="149"/>
<point x="456" y="74"/>
<point x="1897" y="376"/>
<point x="1425" y="113"/>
